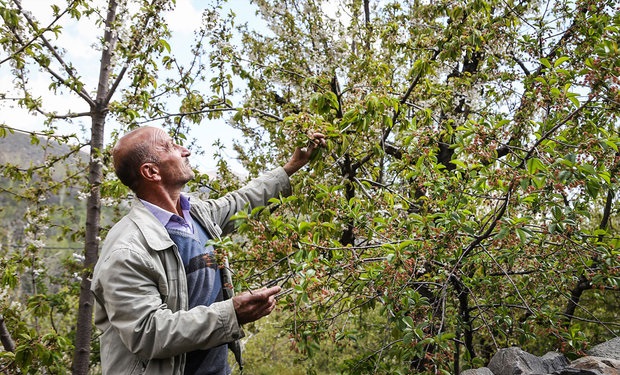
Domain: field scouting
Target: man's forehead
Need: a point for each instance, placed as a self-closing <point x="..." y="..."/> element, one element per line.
<point x="159" y="135"/>
<point x="150" y="134"/>
<point x="147" y="135"/>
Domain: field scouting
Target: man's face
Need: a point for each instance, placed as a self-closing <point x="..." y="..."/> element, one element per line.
<point x="173" y="164"/>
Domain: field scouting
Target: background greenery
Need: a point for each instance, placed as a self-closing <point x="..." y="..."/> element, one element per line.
<point x="466" y="200"/>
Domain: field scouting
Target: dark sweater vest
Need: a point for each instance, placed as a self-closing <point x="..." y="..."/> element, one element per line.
<point x="204" y="287"/>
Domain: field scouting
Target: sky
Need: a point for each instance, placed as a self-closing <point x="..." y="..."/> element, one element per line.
<point x="79" y="37"/>
<point x="182" y="22"/>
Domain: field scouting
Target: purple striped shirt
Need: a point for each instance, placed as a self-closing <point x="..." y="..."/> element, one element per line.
<point x="171" y="220"/>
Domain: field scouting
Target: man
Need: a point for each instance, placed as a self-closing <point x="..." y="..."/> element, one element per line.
<point x="157" y="285"/>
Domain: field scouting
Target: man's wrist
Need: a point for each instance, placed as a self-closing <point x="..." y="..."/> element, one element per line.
<point x="291" y="168"/>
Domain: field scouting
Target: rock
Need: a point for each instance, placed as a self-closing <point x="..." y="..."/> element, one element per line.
<point x="603" y="359"/>
<point x="478" y="371"/>
<point x="591" y="365"/>
<point x="554" y="361"/>
<point x="609" y="349"/>
<point x="515" y="361"/>
<point x="576" y="371"/>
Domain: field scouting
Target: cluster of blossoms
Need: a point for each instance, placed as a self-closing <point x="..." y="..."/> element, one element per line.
<point x="83" y="195"/>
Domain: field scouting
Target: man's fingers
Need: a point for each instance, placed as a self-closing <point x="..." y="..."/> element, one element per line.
<point x="267" y="301"/>
<point x="251" y="306"/>
<point x="316" y="140"/>
<point x="268" y="308"/>
<point x="272" y="294"/>
<point x="268" y="292"/>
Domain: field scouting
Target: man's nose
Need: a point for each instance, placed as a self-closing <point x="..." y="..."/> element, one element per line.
<point x="184" y="151"/>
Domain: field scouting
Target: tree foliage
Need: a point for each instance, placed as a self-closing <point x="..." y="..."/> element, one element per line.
<point x="467" y="192"/>
<point x="138" y="80"/>
<point x="465" y="201"/>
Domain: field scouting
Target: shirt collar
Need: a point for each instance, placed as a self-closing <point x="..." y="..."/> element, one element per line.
<point x="171" y="220"/>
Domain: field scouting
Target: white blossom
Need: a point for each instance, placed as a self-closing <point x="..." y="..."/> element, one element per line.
<point x="37" y="271"/>
<point x="108" y="202"/>
<point x="36" y="243"/>
<point x="82" y="195"/>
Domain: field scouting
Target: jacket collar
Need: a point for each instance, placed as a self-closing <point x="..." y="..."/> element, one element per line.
<point x="152" y="229"/>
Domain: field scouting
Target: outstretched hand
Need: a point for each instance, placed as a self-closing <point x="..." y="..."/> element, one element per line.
<point x="301" y="155"/>
<point x="250" y="307"/>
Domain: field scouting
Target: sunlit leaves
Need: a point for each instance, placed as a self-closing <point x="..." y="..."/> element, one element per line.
<point x="325" y="103"/>
<point x="452" y="132"/>
<point x="48" y="190"/>
<point x="464" y="187"/>
<point x="10" y="16"/>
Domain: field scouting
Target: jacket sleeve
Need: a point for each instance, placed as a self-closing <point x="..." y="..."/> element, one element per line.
<point x="138" y="312"/>
<point x="256" y="193"/>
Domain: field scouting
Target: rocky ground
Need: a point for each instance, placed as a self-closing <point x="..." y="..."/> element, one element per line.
<point x="602" y="359"/>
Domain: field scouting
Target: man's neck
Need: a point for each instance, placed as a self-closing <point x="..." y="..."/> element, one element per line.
<point x="169" y="201"/>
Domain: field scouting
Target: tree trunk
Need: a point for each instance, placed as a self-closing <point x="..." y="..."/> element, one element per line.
<point x="81" y="357"/>
<point x="5" y="337"/>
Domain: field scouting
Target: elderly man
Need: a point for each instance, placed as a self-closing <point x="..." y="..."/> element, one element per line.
<point x="157" y="285"/>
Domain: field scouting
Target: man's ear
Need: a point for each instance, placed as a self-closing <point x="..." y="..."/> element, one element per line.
<point x="150" y="172"/>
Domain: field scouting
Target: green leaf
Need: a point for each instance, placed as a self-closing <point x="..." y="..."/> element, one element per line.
<point x="534" y="165"/>
<point x="459" y="163"/>
<point x="559" y="61"/>
<point x="545" y="62"/>
<point x="164" y="43"/>
<point x="522" y="235"/>
<point x="593" y="187"/>
<point x="612" y="145"/>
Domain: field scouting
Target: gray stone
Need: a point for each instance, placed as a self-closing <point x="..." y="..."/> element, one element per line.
<point x="515" y="361"/>
<point x="576" y="371"/>
<point x="478" y="371"/>
<point x="591" y="365"/>
<point x="609" y="349"/>
<point x="554" y="361"/>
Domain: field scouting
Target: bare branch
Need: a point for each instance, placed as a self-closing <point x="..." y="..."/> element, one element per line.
<point x="38" y="34"/>
<point x="81" y="92"/>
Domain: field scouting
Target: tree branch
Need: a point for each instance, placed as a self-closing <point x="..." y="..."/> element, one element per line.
<point x="5" y="337"/>
<point x="37" y="35"/>
<point x="81" y="92"/>
<point x="552" y="130"/>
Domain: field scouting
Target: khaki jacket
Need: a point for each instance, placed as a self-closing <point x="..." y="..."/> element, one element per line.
<point x="140" y="286"/>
